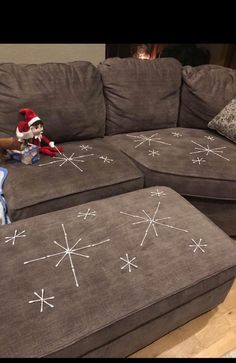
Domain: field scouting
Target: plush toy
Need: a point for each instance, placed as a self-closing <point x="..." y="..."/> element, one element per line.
<point x="31" y="129"/>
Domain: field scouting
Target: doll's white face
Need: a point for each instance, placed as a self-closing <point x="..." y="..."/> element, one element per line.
<point x="37" y="129"/>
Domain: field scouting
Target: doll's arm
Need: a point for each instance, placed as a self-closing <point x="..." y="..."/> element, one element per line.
<point x="47" y="141"/>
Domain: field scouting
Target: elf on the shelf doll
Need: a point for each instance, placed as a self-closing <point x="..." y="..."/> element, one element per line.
<point x="30" y="130"/>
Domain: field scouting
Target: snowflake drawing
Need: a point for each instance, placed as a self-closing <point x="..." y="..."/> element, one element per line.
<point x="16" y="235"/>
<point x="198" y="160"/>
<point x="206" y="149"/>
<point x="153" y="153"/>
<point x="128" y="262"/>
<point x="68" y="252"/>
<point x="158" y="193"/>
<point x="176" y="134"/>
<point x="152" y="221"/>
<point x="141" y="139"/>
<point x="87" y="214"/>
<point x="63" y="159"/>
<point x="211" y="138"/>
<point x="42" y="300"/>
<point x="85" y="147"/>
<point x="197" y="245"/>
<point x="105" y="159"/>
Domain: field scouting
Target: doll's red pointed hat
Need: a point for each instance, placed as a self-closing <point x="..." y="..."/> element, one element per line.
<point x="30" y="116"/>
<point x="23" y="131"/>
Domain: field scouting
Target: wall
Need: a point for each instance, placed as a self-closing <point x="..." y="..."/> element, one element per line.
<point x="217" y="52"/>
<point x="42" y="53"/>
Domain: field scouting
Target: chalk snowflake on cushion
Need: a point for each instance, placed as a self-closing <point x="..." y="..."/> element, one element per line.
<point x="129" y="262"/>
<point x="87" y="214"/>
<point x="198" y="245"/>
<point x="142" y="139"/>
<point x="153" y="153"/>
<point x="158" y="193"/>
<point x="176" y="134"/>
<point x="211" y="138"/>
<point x="68" y="251"/>
<point x="16" y="235"/>
<point x="217" y="151"/>
<point x="72" y="160"/>
<point x="105" y="159"/>
<point x="152" y="222"/>
<point x="85" y="147"/>
<point x="42" y="300"/>
<point x="198" y="161"/>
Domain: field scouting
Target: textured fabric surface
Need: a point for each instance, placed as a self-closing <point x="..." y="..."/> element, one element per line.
<point x="205" y="91"/>
<point x="193" y="162"/>
<point x="225" y="121"/>
<point x="77" y="258"/>
<point x="221" y="212"/>
<point x="93" y="169"/>
<point x="68" y="97"/>
<point x="140" y="94"/>
<point x="148" y="333"/>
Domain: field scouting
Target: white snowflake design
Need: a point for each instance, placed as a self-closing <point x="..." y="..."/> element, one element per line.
<point x="63" y="159"/>
<point x="211" y="138"/>
<point x="198" y="160"/>
<point x="158" y="193"/>
<point x="176" y="134"/>
<point x="16" y="235"/>
<point x="86" y="214"/>
<point x="153" y="153"/>
<point x="141" y="139"/>
<point x="152" y="222"/>
<point x="42" y="300"/>
<point x="197" y="245"/>
<point x="68" y="251"/>
<point x="105" y="159"/>
<point x="85" y="147"/>
<point x="206" y="149"/>
<point x="128" y="262"/>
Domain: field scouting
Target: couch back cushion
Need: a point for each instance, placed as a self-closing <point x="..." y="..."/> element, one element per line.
<point x="68" y="97"/>
<point x="206" y="90"/>
<point x="140" y="94"/>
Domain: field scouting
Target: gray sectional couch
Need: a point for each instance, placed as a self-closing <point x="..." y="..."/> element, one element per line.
<point x="106" y="251"/>
<point x="155" y="112"/>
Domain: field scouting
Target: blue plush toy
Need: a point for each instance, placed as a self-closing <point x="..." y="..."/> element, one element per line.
<point x="4" y="218"/>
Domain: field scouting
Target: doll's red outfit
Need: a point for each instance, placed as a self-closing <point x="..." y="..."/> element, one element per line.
<point x="48" y="150"/>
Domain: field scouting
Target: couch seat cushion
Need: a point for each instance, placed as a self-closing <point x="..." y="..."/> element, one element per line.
<point x="194" y="162"/>
<point x="81" y="277"/>
<point x="95" y="169"/>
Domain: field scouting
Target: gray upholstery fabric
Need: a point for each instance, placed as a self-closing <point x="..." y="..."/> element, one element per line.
<point x="140" y="94"/>
<point x="205" y="91"/>
<point x="94" y="296"/>
<point x="68" y="97"/>
<point x="225" y="121"/>
<point x="210" y="185"/>
<point x="34" y="189"/>
<point x="146" y="334"/>
<point x="193" y="162"/>
<point x="221" y="211"/>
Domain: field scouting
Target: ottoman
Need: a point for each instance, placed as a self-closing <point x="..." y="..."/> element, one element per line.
<point x="106" y="278"/>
